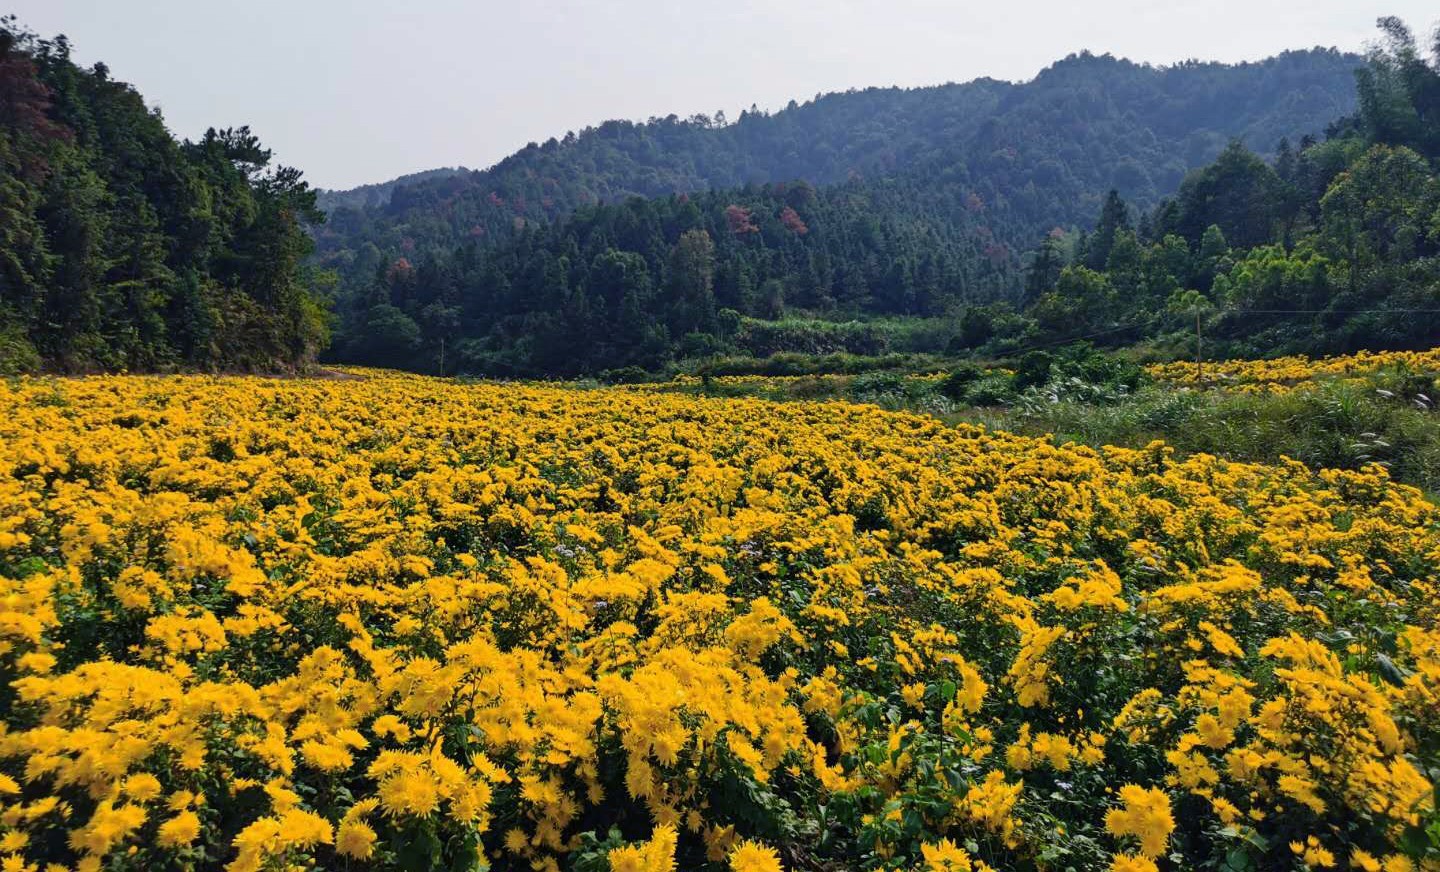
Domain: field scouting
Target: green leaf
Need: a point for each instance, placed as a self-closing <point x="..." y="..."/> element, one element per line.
<point x="421" y="852"/>
<point x="1390" y="671"/>
<point x="1239" y="860"/>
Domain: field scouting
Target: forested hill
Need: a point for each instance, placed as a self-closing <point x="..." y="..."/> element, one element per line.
<point x="1332" y="246"/>
<point x="1033" y="155"/>
<point x="378" y="194"/>
<point x="122" y="248"/>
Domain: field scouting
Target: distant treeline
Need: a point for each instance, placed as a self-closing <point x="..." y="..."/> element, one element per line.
<point x="936" y="220"/>
<point x="1331" y="246"/>
<point x="602" y="250"/>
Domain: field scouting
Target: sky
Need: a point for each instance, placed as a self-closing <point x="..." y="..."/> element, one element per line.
<point x="359" y="91"/>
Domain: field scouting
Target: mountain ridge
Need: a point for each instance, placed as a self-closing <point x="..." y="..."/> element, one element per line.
<point x="911" y="205"/>
<point x="1037" y="155"/>
<point x="334" y="197"/>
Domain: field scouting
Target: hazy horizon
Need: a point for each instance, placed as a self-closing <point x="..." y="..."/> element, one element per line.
<point x="364" y="92"/>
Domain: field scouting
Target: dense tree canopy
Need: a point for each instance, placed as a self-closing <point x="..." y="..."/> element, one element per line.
<point x="639" y="283"/>
<point x="568" y="256"/>
<point x="1334" y="248"/>
<point x="123" y="248"/>
<point x="953" y="212"/>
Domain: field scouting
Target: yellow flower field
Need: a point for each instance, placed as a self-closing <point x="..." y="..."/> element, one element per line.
<point x="1283" y="373"/>
<point x="401" y="623"/>
<point x="833" y="380"/>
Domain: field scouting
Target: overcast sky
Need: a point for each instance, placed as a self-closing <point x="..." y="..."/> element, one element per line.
<point x="357" y="91"/>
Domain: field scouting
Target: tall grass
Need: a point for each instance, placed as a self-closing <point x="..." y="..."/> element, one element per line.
<point x="1330" y="425"/>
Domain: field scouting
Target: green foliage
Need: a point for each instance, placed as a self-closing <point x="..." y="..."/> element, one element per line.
<point x="915" y="204"/>
<point x="792" y="363"/>
<point x="1271" y="278"/>
<point x="121" y="248"/>
<point x="651" y="282"/>
<point x="17" y="355"/>
<point x="1383" y="209"/>
<point x="1239" y="193"/>
<point x="1399" y="93"/>
<point x="959" y="380"/>
<point x="1334" y="248"/>
<point x="1080" y="394"/>
<point x="1338" y="425"/>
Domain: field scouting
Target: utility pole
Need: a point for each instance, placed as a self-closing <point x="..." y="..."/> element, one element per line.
<point x="1199" y="364"/>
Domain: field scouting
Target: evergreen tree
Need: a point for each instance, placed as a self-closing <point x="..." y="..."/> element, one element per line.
<point x="123" y="248"/>
<point x="1114" y="219"/>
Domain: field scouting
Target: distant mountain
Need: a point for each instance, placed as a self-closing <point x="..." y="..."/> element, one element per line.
<point x="378" y="195"/>
<point x="1032" y="155"/>
<point x="638" y="245"/>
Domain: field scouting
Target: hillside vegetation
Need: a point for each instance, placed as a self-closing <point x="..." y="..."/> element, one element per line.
<point x="1328" y="247"/>
<point x="1044" y="150"/>
<point x="377" y="194"/>
<point x="121" y="248"/>
<point x="925" y="199"/>
<point x="1334" y="248"/>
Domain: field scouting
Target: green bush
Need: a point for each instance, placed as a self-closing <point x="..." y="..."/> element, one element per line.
<point x="959" y="380"/>
<point x="624" y="375"/>
<point x="17" y="355"/>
